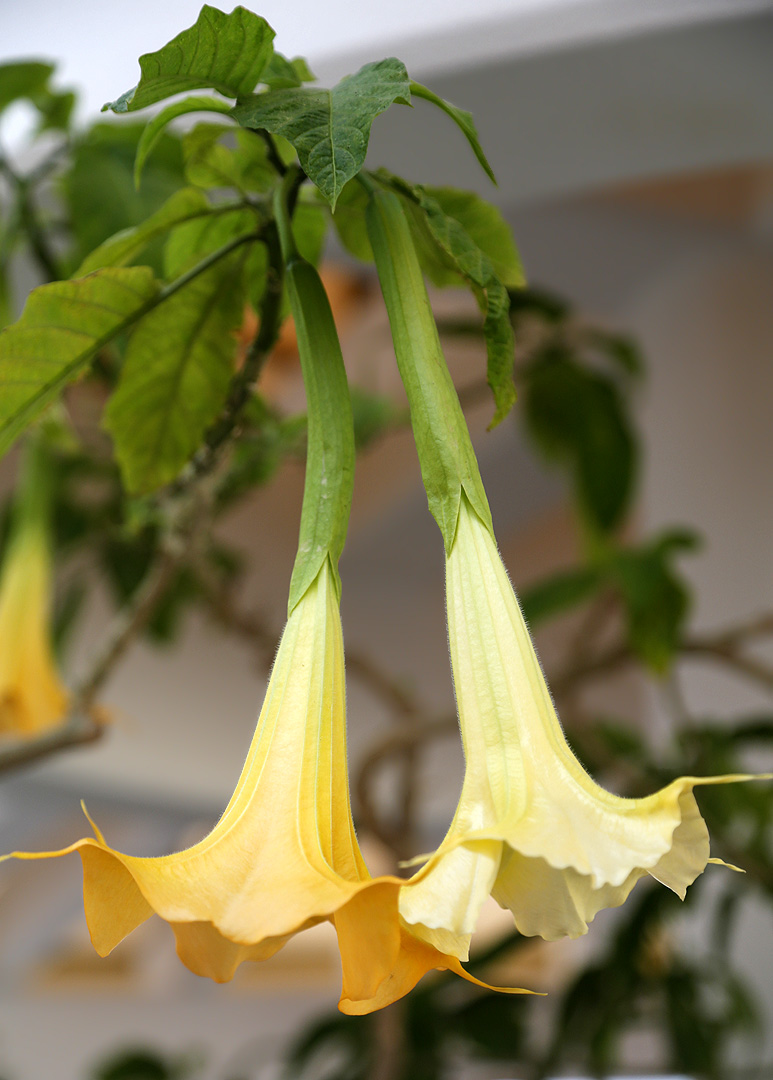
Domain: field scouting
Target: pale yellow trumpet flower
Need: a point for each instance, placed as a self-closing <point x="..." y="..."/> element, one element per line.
<point x="33" y="699"/>
<point x="284" y="855"/>
<point x="531" y="827"/>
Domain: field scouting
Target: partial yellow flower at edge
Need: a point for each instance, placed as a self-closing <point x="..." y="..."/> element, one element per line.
<point x="284" y="855"/>
<point x="33" y="699"/>
<point x="531" y="827"/>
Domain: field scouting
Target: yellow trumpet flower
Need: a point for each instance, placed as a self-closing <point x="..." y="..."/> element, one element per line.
<point x="531" y="827"/>
<point x="32" y="697"/>
<point x="284" y="855"/>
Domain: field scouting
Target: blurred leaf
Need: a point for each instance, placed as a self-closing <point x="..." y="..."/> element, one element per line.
<point x="63" y="324"/>
<point x="191" y="241"/>
<point x="155" y="126"/>
<point x="55" y="110"/>
<point x="455" y="258"/>
<point x="283" y="74"/>
<point x="175" y="377"/>
<point x="349" y="220"/>
<point x="494" y="1024"/>
<point x="309" y="229"/>
<point x="23" y="79"/>
<point x="142" y="1065"/>
<point x="210" y="164"/>
<point x="220" y="52"/>
<point x="655" y="597"/>
<point x="128" y="244"/>
<point x="560" y="592"/>
<point x="578" y="417"/>
<point x="462" y="119"/>
<point x="99" y="186"/>
<point x="329" y="128"/>
<point x="374" y="415"/>
<point x="530" y="302"/>
<point x="622" y="350"/>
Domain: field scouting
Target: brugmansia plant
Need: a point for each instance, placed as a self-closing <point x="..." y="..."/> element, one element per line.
<point x="220" y="232"/>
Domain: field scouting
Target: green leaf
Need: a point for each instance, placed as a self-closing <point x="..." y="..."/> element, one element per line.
<point x="219" y="52"/>
<point x="561" y="592"/>
<point x="655" y="596"/>
<point x="310" y="224"/>
<point x="349" y="221"/>
<point x="175" y="377"/>
<point x="621" y="350"/>
<point x="283" y="74"/>
<point x="99" y="186"/>
<point x="486" y="227"/>
<point x="454" y="257"/>
<point x="209" y="164"/>
<point x="578" y="417"/>
<point x="24" y="79"/>
<point x="29" y="79"/>
<point x="156" y="125"/>
<point x="55" y="110"/>
<point x="329" y="128"/>
<point x="62" y="326"/>
<point x="464" y="121"/>
<point x="126" y="245"/>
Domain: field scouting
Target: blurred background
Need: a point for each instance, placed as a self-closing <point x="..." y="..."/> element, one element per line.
<point x="633" y="144"/>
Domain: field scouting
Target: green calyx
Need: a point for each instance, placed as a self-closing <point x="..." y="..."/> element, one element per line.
<point x="327" y="494"/>
<point x="448" y="462"/>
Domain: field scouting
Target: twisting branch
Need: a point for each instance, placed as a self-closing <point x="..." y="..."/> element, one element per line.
<point x="726" y="647"/>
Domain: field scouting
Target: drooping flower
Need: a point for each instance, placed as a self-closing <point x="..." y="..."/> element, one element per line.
<point x="284" y="855"/>
<point x="532" y="828"/>
<point x="33" y="698"/>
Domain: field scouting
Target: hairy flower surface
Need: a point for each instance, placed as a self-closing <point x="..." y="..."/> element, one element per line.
<point x="284" y="855"/>
<point x="532" y="828"/>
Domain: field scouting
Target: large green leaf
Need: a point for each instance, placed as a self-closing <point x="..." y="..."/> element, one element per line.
<point x="99" y="186"/>
<point x="126" y="245"/>
<point x="462" y="119"/>
<point x="450" y="255"/>
<point x="191" y="241"/>
<point x="220" y="52"/>
<point x="175" y="376"/>
<point x="330" y="129"/>
<point x="62" y="326"/>
<point x="156" y="125"/>
<point x="577" y="417"/>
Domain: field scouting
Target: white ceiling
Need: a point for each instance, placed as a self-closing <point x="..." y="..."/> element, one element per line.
<point x="97" y="52"/>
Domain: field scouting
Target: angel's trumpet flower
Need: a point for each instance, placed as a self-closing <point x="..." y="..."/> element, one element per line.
<point x="284" y="855"/>
<point x="531" y="828"/>
<point x="33" y="698"/>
